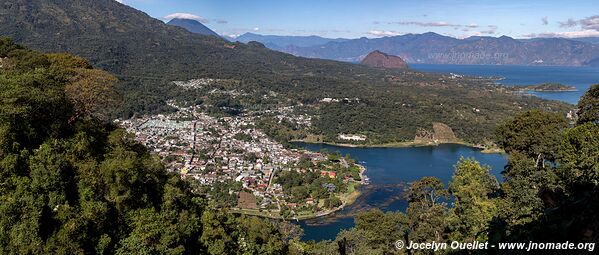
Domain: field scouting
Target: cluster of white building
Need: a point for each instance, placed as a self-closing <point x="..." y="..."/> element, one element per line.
<point x="211" y="149"/>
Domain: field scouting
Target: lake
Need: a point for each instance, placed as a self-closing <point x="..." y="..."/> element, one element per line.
<point x="389" y="170"/>
<point x="580" y="77"/>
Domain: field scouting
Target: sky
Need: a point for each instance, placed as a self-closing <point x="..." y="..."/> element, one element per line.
<point x="377" y="18"/>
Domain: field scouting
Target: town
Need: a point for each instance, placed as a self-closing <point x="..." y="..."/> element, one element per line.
<point x="230" y="157"/>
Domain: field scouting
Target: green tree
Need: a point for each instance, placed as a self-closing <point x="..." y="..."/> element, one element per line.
<point x="519" y="203"/>
<point x="534" y="133"/>
<point x="92" y="93"/>
<point x="260" y="237"/>
<point x="427" y="211"/>
<point x="375" y="233"/>
<point x="299" y="192"/>
<point x="217" y="233"/>
<point x="588" y="106"/>
<point x="472" y="187"/>
<point x="578" y="155"/>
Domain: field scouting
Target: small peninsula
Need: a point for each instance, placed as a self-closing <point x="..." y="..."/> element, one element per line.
<point x="546" y="87"/>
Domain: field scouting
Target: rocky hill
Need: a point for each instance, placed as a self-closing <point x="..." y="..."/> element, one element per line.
<point x="441" y="133"/>
<point x="381" y="60"/>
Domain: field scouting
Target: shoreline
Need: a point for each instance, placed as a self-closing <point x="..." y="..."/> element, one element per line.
<point x="347" y="199"/>
<point x="484" y="149"/>
<point x="553" y="90"/>
<point x="350" y="197"/>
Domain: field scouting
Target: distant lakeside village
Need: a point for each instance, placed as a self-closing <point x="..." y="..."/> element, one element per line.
<point x="243" y="169"/>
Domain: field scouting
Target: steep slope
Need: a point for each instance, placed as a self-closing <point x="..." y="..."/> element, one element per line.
<point x="382" y="60"/>
<point x="193" y="26"/>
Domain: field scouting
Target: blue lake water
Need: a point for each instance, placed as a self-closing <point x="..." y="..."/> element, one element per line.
<point x="580" y="77"/>
<point x="389" y="169"/>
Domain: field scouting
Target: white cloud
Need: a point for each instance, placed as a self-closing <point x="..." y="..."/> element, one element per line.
<point x="180" y="15"/>
<point x="590" y="23"/>
<point x="426" y="24"/>
<point x="256" y="28"/>
<point x="589" y="27"/>
<point x="492" y="29"/>
<point x="569" y="34"/>
<point x="380" y="33"/>
<point x="232" y="35"/>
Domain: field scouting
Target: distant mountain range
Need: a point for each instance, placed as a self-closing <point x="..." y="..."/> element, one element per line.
<point x="193" y="26"/>
<point x="432" y="48"/>
<point x="281" y="42"/>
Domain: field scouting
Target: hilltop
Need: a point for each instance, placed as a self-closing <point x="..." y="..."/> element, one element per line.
<point x="382" y="60"/>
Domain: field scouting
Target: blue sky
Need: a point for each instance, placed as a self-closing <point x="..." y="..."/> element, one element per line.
<point x="376" y="18"/>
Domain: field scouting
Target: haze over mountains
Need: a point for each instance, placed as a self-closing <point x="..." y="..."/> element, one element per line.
<point x="432" y="48"/>
<point x="286" y="43"/>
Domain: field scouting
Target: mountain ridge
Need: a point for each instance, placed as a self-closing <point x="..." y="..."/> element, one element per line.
<point x="433" y="48"/>
<point x="282" y="41"/>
